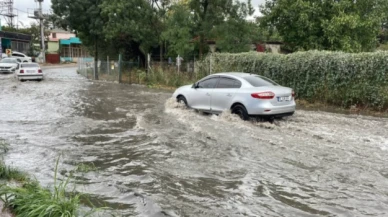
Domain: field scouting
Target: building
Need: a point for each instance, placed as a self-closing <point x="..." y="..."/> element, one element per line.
<point x="64" y="46"/>
<point x="270" y="47"/>
<point x="15" y="41"/>
<point x="54" y="37"/>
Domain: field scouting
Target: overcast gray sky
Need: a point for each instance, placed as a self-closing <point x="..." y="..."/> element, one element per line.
<point x="24" y="6"/>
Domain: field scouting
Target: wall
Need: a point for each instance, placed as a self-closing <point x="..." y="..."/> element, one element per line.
<point x="53" y="58"/>
<point x="53" y="47"/>
<point x="273" y="48"/>
<point x="60" y="35"/>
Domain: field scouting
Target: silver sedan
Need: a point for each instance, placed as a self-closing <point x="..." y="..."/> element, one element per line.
<point x="244" y="94"/>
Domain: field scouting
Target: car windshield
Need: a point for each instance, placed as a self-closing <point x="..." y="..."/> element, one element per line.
<point x="8" y="61"/>
<point x="260" y="81"/>
<point x="31" y="65"/>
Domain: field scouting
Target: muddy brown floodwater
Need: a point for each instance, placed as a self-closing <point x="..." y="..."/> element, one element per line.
<point x="154" y="158"/>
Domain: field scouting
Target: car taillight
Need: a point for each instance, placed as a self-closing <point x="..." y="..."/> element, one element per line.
<point x="293" y="93"/>
<point x="263" y="95"/>
<point x="40" y="70"/>
<point x="22" y="71"/>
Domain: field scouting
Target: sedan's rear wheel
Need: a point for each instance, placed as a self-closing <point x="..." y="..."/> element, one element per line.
<point x="241" y="112"/>
<point x="182" y="99"/>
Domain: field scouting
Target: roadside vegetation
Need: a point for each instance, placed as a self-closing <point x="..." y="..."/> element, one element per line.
<point x="24" y="196"/>
<point x="336" y="78"/>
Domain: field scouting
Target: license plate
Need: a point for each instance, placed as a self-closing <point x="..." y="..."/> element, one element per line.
<point x="284" y="98"/>
<point x="30" y="71"/>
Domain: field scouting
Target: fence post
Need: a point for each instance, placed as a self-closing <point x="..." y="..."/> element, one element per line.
<point x="130" y="66"/>
<point x="107" y="64"/>
<point x="178" y="62"/>
<point x="210" y="63"/>
<point x="120" y="68"/>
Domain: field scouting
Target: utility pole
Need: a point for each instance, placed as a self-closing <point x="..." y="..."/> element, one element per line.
<point x="41" y="18"/>
<point x="7" y="6"/>
<point x="38" y="15"/>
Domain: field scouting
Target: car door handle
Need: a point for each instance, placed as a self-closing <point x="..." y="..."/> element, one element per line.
<point x="207" y="94"/>
<point x="228" y="95"/>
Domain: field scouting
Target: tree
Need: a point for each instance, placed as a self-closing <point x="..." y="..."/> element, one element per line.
<point x="221" y="20"/>
<point x="345" y="25"/>
<point x="85" y="18"/>
<point x="236" y="34"/>
<point x="133" y="18"/>
<point x="178" y="31"/>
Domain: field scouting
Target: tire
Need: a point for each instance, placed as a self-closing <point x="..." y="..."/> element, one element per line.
<point x="182" y="99"/>
<point x="241" y="112"/>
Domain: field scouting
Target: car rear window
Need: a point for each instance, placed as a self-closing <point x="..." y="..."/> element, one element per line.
<point x="260" y="81"/>
<point x="30" y="66"/>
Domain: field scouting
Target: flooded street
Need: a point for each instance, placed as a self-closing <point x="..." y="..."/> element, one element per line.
<point x="154" y="158"/>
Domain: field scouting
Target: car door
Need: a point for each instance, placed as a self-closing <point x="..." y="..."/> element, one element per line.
<point x="224" y="93"/>
<point x="200" y="97"/>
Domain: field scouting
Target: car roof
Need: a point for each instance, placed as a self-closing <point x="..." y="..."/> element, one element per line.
<point x="236" y="74"/>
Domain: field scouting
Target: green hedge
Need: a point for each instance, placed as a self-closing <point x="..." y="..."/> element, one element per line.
<point x="317" y="76"/>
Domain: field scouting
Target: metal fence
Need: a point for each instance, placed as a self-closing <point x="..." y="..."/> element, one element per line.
<point x="137" y="71"/>
<point x="110" y="70"/>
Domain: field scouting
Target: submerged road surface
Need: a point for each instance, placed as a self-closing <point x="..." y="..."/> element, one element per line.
<point x="153" y="158"/>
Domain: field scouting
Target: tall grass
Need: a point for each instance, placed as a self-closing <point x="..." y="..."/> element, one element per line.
<point x="9" y="173"/>
<point x="160" y="77"/>
<point x="29" y="199"/>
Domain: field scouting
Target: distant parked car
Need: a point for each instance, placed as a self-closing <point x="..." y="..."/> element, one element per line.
<point x="8" y="65"/>
<point x="21" y="56"/>
<point x="244" y="94"/>
<point x="29" y="71"/>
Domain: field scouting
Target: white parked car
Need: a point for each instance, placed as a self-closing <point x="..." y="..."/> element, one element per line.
<point x="29" y="71"/>
<point x="8" y="65"/>
<point x="244" y="94"/>
<point x="21" y="56"/>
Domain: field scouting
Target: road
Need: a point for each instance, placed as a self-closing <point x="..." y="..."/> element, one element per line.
<point x="154" y="158"/>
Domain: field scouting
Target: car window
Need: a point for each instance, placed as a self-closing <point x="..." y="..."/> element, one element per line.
<point x="260" y="81"/>
<point x="228" y="83"/>
<point x="208" y="83"/>
<point x="31" y="65"/>
<point x="17" y="55"/>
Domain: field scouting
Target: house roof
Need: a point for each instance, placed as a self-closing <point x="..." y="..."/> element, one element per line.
<point x="59" y="31"/>
<point x="15" y="36"/>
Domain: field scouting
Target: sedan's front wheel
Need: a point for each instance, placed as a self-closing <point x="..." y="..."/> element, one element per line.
<point x="182" y="99"/>
<point x="241" y="112"/>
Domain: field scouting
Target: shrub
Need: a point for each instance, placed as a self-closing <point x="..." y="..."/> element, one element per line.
<point x="317" y="76"/>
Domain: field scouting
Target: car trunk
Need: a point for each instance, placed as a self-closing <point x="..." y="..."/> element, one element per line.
<point x="283" y="95"/>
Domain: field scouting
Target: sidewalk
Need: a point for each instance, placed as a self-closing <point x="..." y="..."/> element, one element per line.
<point x="65" y="65"/>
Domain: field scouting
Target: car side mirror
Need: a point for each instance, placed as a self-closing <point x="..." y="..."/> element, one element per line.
<point x="195" y="85"/>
